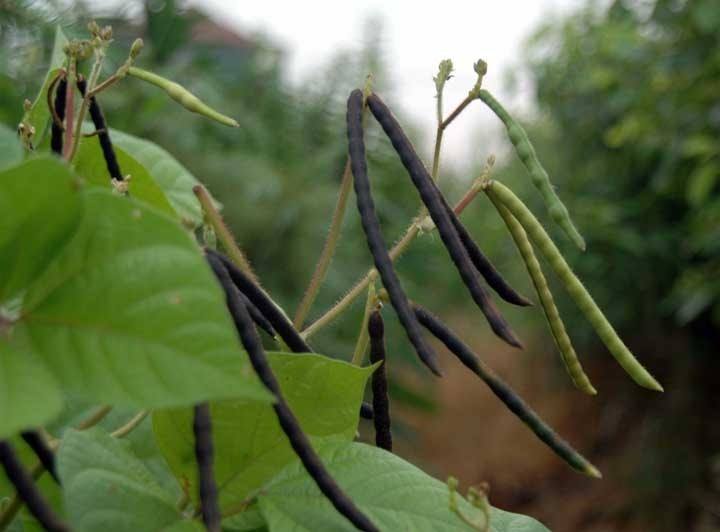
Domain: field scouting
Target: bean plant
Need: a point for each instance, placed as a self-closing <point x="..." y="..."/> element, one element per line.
<point x="151" y="383"/>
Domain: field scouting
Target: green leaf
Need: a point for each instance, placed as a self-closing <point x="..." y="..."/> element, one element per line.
<point x="90" y="164"/>
<point x="11" y="151"/>
<point x="40" y="207"/>
<point x="104" y="484"/>
<point x="129" y="314"/>
<point x="701" y="183"/>
<point x="393" y="493"/>
<point x="249" y="520"/>
<point x="250" y="447"/>
<point x="39" y="115"/>
<point x="172" y="177"/>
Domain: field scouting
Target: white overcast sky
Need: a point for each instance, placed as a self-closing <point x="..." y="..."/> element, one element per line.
<point x="416" y="35"/>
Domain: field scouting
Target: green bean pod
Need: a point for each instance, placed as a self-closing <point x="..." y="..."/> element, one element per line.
<point x="501" y="194"/>
<point x="552" y="315"/>
<point x="183" y="96"/>
<point x="538" y="175"/>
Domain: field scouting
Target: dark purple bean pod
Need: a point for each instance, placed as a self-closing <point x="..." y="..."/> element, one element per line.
<point x="381" y="403"/>
<point x="103" y="133"/>
<point x="28" y="492"/>
<point x="41" y="449"/>
<point x="373" y="233"/>
<point x="264" y="305"/>
<point x="288" y="422"/>
<point x="202" y="430"/>
<point x="367" y="411"/>
<point x="56" y="130"/>
<point x="269" y="311"/>
<point x="432" y="198"/>
<point x="483" y="265"/>
<point x="257" y="316"/>
<point x="506" y="394"/>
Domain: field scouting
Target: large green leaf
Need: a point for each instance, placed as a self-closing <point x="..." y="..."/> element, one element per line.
<point x="250" y="447"/>
<point x="172" y="177"/>
<point x="40" y="206"/>
<point x="393" y="493"/>
<point x="90" y="164"/>
<point x="106" y="485"/>
<point x="11" y="151"/>
<point x="38" y="116"/>
<point x="128" y="313"/>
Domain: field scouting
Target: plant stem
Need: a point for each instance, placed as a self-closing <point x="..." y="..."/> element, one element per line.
<point x="70" y="107"/>
<point x="328" y="249"/>
<point x="92" y="80"/>
<point x="363" y="337"/>
<point x="214" y="218"/>
<point x="131" y="425"/>
<point x="93" y="419"/>
<point x="397" y="250"/>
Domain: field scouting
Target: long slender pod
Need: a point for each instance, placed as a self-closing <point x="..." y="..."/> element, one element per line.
<point x="42" y="450"/>
<point x="483" y="265"/>
<point x="373" y="233"/>
<point x="501" y="194"/>
<point x="557" y="327"/>
<point x="431" y="197"/>
<point x="506" y="394"/>
<point x="538" y="174"/>
<point x="264" y="304"/>
<point x="27" y="491"/>
<point x="202" y="430"/>
<point x="270" y="311"/>
<point x="103" y="133"/>
<point x="381" y="403"/>
<point x="56" y="129"/>
<point x="257" y="316"/>
<point x="288" y="422"/>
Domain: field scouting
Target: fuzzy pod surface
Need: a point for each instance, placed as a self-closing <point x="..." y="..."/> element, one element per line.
<point x="56" y="130"/>
<point x="202" y="430"/>
<point x="506" y="394"/>
<point x="500" y="193"/>
<point x="538" y="175"/>
<point x="28" y="492"/>
<point x="288" y="422"/>
<point x="483" y="265"/>
<point x="103" y="133"/>
<point x="432" y="198"/>
<point x="381" y="402"/>
<point x="547" y="302"/>
<point x="373" y="233"/>
<point x="41" y="449"/>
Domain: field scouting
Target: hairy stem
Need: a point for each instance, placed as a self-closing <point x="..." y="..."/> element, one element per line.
<point x="222" y="231"/>
<point x="69" y="107"/>
<point x="131" y="425"/>
<point x="328" y="250"/>
<point x="92" y="81"/>
<point x="363" y="337"/>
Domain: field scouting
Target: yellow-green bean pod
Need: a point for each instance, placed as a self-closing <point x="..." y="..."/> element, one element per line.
<point x="183" y="96"/>
<point x="538" y="175"/>
<point x="501" y="194"/>
<point x="557" y="327"/>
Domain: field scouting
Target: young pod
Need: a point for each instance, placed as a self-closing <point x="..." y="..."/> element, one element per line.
<point x="288" y="422"/>
<point x="183" y="96"/>
<point x="375" y="240"/>
<point x="483" y="265"/>
<point x="27" y="491"/>
<point x="506" y="394"/>
<point x="37" y="443"/>
<point x="432" y="198"/>
<point x="202" y="430"/>
<point x="103" y="133"/>
<point x="381" y="402"/>
<point x="552" y="315"/>
<point x="538" y="175"/>
<point x="501" y="194"/>
<point x="56" y="128"/>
